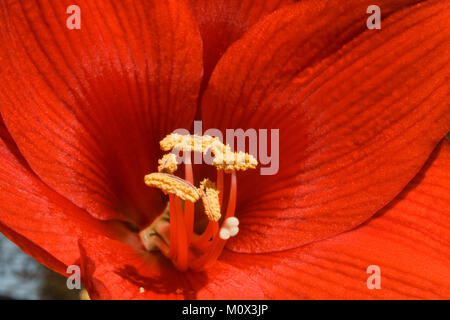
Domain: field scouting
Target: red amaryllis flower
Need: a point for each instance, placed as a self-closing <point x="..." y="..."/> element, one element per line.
<point x="359" y="111"/>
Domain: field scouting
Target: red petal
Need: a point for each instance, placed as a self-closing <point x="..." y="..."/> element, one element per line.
<point x="409" y="240"/>
<point x="88" y="107"/>
<point x="37" y="219"/>
<point x="222" y="22"/>
<point x="113" y="270"/>
<point x="355" y="127"/>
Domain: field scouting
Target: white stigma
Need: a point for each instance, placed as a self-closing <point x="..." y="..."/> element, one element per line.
<point x="231" y="222"/>
<point x="230" y="228"/>
<point x="234" y="231"/>
<point x="224" y="234"/>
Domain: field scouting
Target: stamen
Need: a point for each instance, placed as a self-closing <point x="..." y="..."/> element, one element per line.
<point x="168" y="163"/>
<point x="170" y="141"/>
<point x="230" y="161"/>
<point x="232" y="198"/>
<point x="220" y="185"/>
<point x="173" y="226"/>
<point x="182" y="245"/>
<point x="218" y="243"/>
<point x="174" y="185"/>
<point x="189" y="206"/>
<point x="200" y="143"/>
<point x="201" y="241"/>
<point x="210" y="256"/>
<point x="211" y="202"/>
<point x="173" y="232"/>
<point x="224" y="158"/>
<point x="188" y="143"/>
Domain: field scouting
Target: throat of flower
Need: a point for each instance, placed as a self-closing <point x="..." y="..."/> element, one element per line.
<point x="173" y="232"/>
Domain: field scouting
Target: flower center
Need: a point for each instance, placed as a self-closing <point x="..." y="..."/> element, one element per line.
<point x="173" y="232"/>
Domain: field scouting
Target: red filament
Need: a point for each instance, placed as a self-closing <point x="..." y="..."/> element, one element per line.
<point x="186" y="248"/>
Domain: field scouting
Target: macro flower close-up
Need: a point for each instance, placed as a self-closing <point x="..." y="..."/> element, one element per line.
<point x="340" y="189"/>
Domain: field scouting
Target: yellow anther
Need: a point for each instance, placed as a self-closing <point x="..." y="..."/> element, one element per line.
<point x="188" y="143"/>
<point x="170" y="141"/>
<point x="197" y="143"/>
<point x="229" y="161"/>
<point x="168" y="163"/>
<point x="210" y="198"/>
<point x="209" y="142"/>
<point x="224" y="158"/>
<point x="172" y="184"/>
